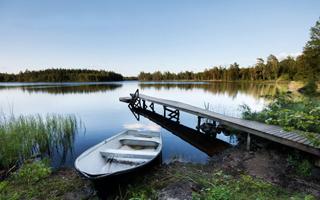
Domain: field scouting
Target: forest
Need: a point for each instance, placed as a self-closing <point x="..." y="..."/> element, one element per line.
<point x="62" y="75"/>
<point x="305" y="67"/>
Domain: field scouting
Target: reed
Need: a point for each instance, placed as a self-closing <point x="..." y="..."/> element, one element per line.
<point x="24" y="137"/>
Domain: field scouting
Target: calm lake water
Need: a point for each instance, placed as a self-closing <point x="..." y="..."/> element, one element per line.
<point x="98" y="107"/>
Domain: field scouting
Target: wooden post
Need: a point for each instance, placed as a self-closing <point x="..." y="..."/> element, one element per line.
<point x="144" y="104"/>
<point x="178" y="116"/>
<point x="199" y="123"/>
<point x="317" y="162"/>
<point x="248" y="141"/>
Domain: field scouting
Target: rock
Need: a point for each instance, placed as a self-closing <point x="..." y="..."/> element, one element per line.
<point x="177" y="191"/>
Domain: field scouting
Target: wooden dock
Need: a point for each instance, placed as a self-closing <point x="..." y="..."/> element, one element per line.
<point x="172" y="109"/>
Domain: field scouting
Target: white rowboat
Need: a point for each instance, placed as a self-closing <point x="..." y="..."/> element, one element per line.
<point x="121" y="153"/>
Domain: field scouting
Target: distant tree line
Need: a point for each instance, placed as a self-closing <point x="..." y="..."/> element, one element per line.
<point x="304" y="67"/>
<point x="273" y="69"/>
<point x="62" y="75"/>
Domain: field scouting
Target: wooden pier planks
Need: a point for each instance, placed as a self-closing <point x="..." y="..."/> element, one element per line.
<point x="270" y="132"/>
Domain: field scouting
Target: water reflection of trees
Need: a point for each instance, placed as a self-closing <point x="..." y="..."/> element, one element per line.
<point x="230" y="88"/>
<point x="66" y="89"/>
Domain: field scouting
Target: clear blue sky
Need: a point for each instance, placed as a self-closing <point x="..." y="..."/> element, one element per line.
<point x="135" y="35"/>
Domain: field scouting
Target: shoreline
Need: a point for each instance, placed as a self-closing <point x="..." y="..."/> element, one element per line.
<point x="265" y="167"/>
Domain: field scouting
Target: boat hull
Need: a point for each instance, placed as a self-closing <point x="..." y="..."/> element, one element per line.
<point x="135" y="159"/>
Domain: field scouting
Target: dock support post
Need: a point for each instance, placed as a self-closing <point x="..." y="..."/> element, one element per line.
<point x="152" y="107"/>
<point x="199" y="123"/>
<point x="248" y="141"/>
<point x="144" y="106"/>
<point x="171" y="114"/>
<point x="317" y="162"/>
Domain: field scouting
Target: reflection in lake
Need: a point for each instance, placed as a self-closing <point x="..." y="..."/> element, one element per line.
<point x="230" y="88"/>
<point x="98" y="107"/>
<point x="203" y="142"/>
<point x="66" y="88"/>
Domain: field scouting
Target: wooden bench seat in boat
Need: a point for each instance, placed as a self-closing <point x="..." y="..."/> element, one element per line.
<point x="120" y="153"/>
<point x="139" y="141"/>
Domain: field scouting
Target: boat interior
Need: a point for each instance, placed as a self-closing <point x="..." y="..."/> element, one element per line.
<point x="122" y="152"/>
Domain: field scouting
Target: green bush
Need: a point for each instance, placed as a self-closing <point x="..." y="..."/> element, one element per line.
<point x="301" y="166"/>
<point x="32" y="172"/>
<point x="302" y="115"/>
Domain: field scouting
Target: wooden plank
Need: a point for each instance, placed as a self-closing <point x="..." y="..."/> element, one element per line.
<point x="296" y="138"/>
<point x="303" y="140"/>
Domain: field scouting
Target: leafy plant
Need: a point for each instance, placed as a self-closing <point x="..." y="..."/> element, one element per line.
<point x="302" y="115"/>
<point x="32" y="172"/>
<point x="301" y="166"/>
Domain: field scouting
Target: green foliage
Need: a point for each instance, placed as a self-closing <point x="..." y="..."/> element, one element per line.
<point x="207" y="185"/>
<point x="287" y="69"/>
<point x="30" y="173"/>
<point x="3" y="185"/>
<point x="222" y="187"/>
<point x="139" y="193"/>
<point x="310" y="88"/>
<point x="304" y="168"/>
<point x="301" y="166"/>
<point x="36" y="181"/>
<point x="312" y="53"/>
<point x="303" y="115"/>
<point x="26" y="136"/>
<point x="62" y="75"/>
<point x="216" y="193"/>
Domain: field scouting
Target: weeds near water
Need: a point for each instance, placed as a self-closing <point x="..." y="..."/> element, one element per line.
<point x="35" y="180"/>
<point x="24" y="137"/>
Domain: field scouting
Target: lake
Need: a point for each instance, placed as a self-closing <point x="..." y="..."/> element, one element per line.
<point x="98" y="107"/>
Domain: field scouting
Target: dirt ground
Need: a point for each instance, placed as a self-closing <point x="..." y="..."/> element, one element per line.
<point x="266" y="161"/>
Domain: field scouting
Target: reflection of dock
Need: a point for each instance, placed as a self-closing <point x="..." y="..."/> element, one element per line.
<point x="171" y="110"/>
<point x="204" y="143"/>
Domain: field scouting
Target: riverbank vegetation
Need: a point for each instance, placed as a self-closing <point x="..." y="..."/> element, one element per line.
<point x="292" y="114"/>
<point x="216" y="185"/>
<point x="62" y="75"/>
<point x="36" y="180"/>
<point x="305" y="67"/>
<point x="26" y="137"/>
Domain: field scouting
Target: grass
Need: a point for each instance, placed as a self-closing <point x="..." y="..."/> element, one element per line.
<point x="292" y="114"/>
<point x="36" y="181"/>
<point x="24" y="137"/>
<point x="225" y="187"/>
<point x="208" y="185"/>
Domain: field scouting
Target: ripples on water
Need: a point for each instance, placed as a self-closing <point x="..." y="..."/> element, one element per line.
<point x="98" y="107"/>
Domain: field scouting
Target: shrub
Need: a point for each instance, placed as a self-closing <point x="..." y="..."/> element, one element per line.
<point x="32" y="172"/>
<point x="302" y="115"/>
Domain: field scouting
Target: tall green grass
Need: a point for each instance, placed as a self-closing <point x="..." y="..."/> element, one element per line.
<point x="24" y="137"/>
